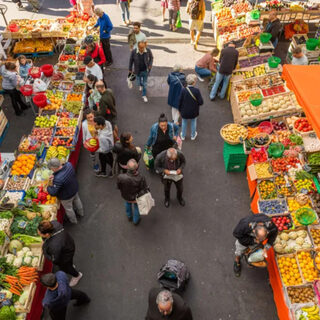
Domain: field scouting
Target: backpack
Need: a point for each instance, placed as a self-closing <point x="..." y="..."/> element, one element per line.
<point x="195" y="9"/>
<point x="174" y="275"/>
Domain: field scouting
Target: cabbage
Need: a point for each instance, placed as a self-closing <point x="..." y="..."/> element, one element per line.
<point x="14" y="246"/>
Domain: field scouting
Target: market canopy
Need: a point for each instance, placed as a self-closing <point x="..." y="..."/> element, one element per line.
<point x="305" y="82"/>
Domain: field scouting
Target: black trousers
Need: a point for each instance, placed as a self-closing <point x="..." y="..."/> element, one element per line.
<point x="16" y="99"/>
<point x="60" y="313"/>
<point x="68" y="268"/>
<point x="107" y="50"/>
<point x="167" y="186"/>
<point x="105" y="158"/>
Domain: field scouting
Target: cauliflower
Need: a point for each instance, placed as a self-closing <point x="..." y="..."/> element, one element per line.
<point x="27" y="260"/>
<point x="17" y="262"/>
<point x="35" y="261"/>
<point x="9" y="258"/>
<point x="25" y="249"/>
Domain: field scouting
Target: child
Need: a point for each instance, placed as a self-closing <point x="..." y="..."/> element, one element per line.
<point x="24" y="66"/>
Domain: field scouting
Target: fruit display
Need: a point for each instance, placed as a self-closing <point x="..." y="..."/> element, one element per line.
<point x="273" y="91"/>
<point x="308" y="313"/>
<point x="272" y="207"/>
<point x="39" y="132"/>
<point x="23" y="165"/>
<point x="285" y="191"/>
<point x="263" y="170"/>
<point x="67" y="122"/>
<point x="224" y="13"/>
<point x="55" y="97"/>
<point x="254" y="61"/>
<point x="279" y="125"/>
<point x="301" y="294"/>
<point x="284" y="164"/>
<point x="45" y="121"/>
<point x="72" y="106"/>
<point x="307" y="267"/>
<point x="33" y="45"/>
<point x="59" y="152"/>
<point x="316" y="241"/>
<point x="32" y="144"/>
<point x="291" y="241"/>
<point x="244" y="96"/>
<point x="315" y="196"/>
<point x="283" y="135"/>
<point x="74" y="97"/>
<point x="294" y="205"/>
<point x="302" y="125"/>
<point x="233" y="132"/>
<point x="16" y="183"/>
<point x="267" y="190"/>
<point x="65" y="132"/>
<point x="289" y="270"/>
<point x="282" y="222"/>
<point x="305" y="185"/>
<point x="267" y="108"/>
<point x="259" y="155"/>
<point x="65" y="85"/>
<point x="241" y="7"/>
<point x="39" y="196"/>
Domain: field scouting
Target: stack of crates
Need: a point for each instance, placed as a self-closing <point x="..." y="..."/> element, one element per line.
<point x="234" y="158"/>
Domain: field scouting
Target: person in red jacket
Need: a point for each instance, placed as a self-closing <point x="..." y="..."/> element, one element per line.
<point x="95" y="51"/>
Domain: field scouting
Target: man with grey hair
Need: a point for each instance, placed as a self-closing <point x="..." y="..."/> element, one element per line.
<point x="168" y="305"/>
<point x="132" y="185"/>
<point x="176" y="81"/>
<point x="106" y="26"/>
<point x="251" y="232"/>
<point x="189" y="106"/>
<point x="141" y="59"/>
<point x="169" y="163"/>
<point x="64" y="185"/>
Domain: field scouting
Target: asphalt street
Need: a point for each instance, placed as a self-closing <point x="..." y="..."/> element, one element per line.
<point x="119" y="261"/>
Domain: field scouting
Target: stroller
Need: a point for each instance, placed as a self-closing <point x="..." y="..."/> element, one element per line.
<point x="174" y="276"/>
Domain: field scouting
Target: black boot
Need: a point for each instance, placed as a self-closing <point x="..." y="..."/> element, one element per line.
<point x="237" y="268"/>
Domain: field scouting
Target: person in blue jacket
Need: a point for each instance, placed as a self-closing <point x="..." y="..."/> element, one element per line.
<point x="106" y="26"/>
<point x="176" y="81"/>
<point x="163" y="135"/>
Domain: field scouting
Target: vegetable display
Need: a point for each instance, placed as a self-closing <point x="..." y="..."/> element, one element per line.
<point x="25" y="226"/>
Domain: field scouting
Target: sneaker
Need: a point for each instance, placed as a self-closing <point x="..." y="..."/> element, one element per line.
<point x="195" y="46"/>
<point x="200" y="79"/>
<point x="96" y="168"/>
<point x="237" y="269"/>
<point x="192" y="42"/>
<point x="101" y="174"/>
<point x="145" y="99"/>
<point x="182" y="137"/>
<point x="194" y="137"/>
<point x="74" y="280"/>
<point x="140" y="88"/>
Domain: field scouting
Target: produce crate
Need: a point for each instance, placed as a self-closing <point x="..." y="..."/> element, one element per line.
<point x="283" y="212"/>
<point x="234" y="158"/>
<point x="36" y="249"/>
<point x="290" y="304"/>
<point x="24" y="187"/>
<point x="26" y="308"/>
<point x="311" y="227"/>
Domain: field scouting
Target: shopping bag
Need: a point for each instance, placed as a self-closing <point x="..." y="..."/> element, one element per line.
<point x="179" y="22"/>
<point x="148" y="158"/>
<point x="145" y="203"/>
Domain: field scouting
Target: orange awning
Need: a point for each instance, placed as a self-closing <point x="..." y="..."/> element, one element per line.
<point x="305" y="82"/>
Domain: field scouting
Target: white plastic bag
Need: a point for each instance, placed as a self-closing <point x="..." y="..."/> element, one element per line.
<point x="129" y="83"/>
<point x="39" y="86"/>
<point x="145" y="203"/>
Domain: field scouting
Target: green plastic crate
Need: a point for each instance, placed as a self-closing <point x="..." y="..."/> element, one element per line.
<point x="234" y="157"/>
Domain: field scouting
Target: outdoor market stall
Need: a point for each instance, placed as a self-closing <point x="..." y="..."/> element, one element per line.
<point x="282" y="156"/>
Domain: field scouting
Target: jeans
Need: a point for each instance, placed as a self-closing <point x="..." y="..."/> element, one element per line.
<point x="275" y="42"/>
<point x="57" y="313"/>
<point x="142" y="80"/>
<point x="135" y="214"/>
<point x="105" y="158"/>
<point x="125" y="9"/>
<point x="203" y="72"/>
<point x="16" y="99"/>
<point x="175" y="115"/>
<point x="185" y="124"/>
<point x="106" y="49"/>
<point x="167" y="186"/>
<point x="219" y="78"/>
<point x="68" y="268"/>
<point x="71" y="204"/>
<point x="172" y="17"/>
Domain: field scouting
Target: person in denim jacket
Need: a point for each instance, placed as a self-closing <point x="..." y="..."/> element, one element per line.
<point x="163" y="135"/>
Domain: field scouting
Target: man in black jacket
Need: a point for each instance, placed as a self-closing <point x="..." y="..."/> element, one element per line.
<point x="228" y="62"/>
<point x="189" y="105"/>
<point x="250" y="232"/>
<point x="169" y="163"/>
<point x="141" y="59"/>
<point x="131" y="184"/>
<point x="164" y="304"/>
<point x="273" y="27"/>
<point x="64" y="186"/>
<point x="59" y="247"/>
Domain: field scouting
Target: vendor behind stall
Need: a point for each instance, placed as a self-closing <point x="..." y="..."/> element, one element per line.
<point x="298" y="57"/>
<point x="273" y="27"/>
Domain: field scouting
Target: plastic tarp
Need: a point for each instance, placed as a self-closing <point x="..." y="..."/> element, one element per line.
<point x="304" y="81"/>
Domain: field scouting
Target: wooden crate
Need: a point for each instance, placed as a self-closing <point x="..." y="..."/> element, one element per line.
<point x="26" y="308"/>
<point x="36" y="249"/>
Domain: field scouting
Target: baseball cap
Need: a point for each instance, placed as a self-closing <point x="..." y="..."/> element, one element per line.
<point x="54" y="163"/>
<point x="87" y="60"/>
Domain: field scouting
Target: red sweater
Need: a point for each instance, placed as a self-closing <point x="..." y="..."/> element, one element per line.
<point x="97" y="55"/>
